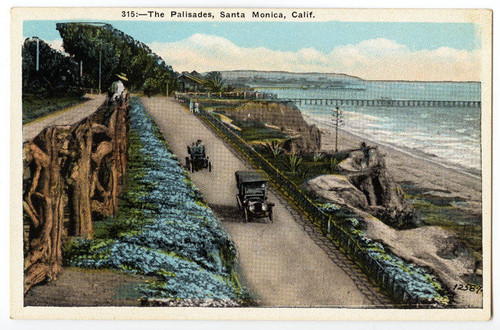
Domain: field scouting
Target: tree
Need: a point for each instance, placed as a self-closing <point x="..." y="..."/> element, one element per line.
<point x="119" y="53"/>
<point x="70" y="174"/>
<point x="57" y="74"/>
<point x="214" y="82"/>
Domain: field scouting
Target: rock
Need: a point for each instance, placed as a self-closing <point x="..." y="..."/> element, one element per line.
<point x="307" y="142"/>
<point x="367" y="188"/>
<point x="315" y="138"/>
<point x="433" y="247"/>
<point x="383" y="194"/>
<point x="451" y="248"/>
<point x="338" y="190"/>
<point x="352" y="163"/>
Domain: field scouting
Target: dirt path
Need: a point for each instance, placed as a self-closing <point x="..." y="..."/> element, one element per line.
<point x="88" y="287"/>
<point x="64" y="117"/>
<point x="285" y="263"/>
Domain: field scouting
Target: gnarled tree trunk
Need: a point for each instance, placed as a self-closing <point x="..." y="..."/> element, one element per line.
<point x="79" y="168"/>
<point x="43" y="203"/>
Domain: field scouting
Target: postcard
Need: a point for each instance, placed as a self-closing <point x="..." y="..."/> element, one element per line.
<point x="251" y="163"/>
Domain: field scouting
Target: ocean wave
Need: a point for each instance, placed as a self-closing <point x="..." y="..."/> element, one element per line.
<point x="444" y="149"/>
<point x="448" y="136"/>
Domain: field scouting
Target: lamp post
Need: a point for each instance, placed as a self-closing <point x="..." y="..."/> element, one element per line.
<point x="37" y="54"/>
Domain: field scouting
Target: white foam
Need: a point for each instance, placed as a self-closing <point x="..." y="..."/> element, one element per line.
<point x="451" y="153"/>
<point x="450" y="134"/>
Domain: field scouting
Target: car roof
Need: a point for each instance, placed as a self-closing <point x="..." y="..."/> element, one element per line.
<point x="251" y="176"/>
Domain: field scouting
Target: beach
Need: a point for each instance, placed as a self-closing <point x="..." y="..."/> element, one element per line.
<point x="428" y="176"/>
<point x="430" y="246"/>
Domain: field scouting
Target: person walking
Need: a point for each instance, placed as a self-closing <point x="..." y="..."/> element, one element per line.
<point x="190" y="106"/>
<point x="196" y="107"/>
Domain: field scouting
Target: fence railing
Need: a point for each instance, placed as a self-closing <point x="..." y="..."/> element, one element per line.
<point x="242" y="95"/>
<point x="325" y="222"/>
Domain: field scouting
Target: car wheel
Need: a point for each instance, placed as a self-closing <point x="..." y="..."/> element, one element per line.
<point x="246" y="214"/>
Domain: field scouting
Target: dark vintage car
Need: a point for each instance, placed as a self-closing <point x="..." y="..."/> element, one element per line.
<point x="197" y="159"/>
<point x="252" y="195"/>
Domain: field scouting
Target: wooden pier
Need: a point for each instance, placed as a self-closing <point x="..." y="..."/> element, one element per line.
<point x="383" y="103"/>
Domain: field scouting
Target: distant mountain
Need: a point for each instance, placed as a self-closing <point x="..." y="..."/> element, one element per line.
<point x="254" y="78"/>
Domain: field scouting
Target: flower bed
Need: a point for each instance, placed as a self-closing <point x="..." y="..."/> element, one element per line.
<point x="164" y="228"/>
<point x="416" y="280"/>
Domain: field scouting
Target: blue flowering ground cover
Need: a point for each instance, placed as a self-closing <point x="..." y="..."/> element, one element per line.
<point x="163" y="228"/>
<point x="417" y="281"/>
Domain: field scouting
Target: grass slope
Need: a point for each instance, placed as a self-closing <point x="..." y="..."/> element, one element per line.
<point x="35" y="107"/>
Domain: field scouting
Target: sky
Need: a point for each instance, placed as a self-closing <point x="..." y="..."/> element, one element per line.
<point x="370" y="50"/>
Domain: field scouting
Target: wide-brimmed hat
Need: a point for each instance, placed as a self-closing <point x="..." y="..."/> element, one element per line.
<point x="122" y="76"/>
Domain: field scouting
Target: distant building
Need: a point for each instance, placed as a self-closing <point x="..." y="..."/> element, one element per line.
<point x="192" y="82"/>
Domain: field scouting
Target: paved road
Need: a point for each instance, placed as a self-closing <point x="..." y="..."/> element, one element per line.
<point x="284" y="263"/>
<point x="64" y="117"/>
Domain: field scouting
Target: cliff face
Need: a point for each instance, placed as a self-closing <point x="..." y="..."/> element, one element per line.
<point x="369" y="190"/>
<point x="383" y="194"/>
<point x="306" y="138"/>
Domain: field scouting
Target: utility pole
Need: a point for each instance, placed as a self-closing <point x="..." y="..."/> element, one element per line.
<point x="99" y="71"/>
<point x="337" y="121"/>
<point x="37" y="54"/>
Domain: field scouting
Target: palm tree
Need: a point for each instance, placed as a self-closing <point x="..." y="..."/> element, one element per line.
<point x="292" y="163"/>
<point x="274" y="147"/>
<point x="333" y="165"/>
<point x="214" y="82"/>
<point x="318" y="156"/>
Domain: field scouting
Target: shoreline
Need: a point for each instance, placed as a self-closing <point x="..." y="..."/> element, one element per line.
<point x="428" y="175"/>
<point x="427" y="245"/>
<point x="415" y="153"/>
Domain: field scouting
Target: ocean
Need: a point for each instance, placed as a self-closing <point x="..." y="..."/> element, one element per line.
<point x="450" y="136"/>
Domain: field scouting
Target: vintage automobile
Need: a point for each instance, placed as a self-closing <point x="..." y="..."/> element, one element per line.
<point x="197" y="159"/>
<point x="252" y="195"/>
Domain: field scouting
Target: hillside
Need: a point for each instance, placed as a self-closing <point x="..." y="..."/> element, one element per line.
<point x="252" y="78"/>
